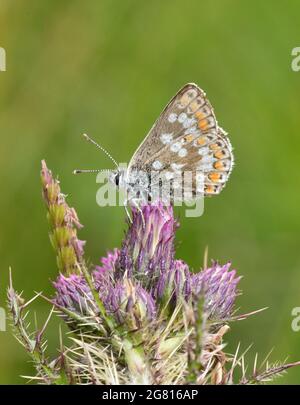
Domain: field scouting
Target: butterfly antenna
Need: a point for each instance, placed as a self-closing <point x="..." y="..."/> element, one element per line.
<point x="79" y="171"/>
<point x="87" y="138"/>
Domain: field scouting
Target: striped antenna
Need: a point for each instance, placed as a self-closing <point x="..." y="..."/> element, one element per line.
<point x="87" y="138"/>
<point x="79" y="171"/>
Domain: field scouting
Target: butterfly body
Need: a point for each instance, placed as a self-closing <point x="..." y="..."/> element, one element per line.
<point x="136" y="183"/>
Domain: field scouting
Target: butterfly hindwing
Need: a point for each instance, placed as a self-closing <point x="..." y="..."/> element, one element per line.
<point x="186" y="138"/>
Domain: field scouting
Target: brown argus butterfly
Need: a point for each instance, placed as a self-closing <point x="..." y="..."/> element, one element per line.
<point x="185" y="139"/>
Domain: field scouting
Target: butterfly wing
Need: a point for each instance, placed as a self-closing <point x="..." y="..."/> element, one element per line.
<point x="186" y="137"/>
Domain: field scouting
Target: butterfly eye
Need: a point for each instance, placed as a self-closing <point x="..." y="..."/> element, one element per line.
<point x="117" y="179"/>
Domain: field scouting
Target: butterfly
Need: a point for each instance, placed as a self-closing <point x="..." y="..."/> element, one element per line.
<point x="185" y="139"/>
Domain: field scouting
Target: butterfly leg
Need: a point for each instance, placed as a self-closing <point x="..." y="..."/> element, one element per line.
<point x="135" y="202"/>
<point x="127" y="211"/>
<point x="153" y="200"/>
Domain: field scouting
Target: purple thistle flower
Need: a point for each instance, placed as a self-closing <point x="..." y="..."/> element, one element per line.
<point x="122" y="332"/>
<point x="108" y="263"/>
<point x="218" y="285"/>
<point x="174" y="283"/>
<point x="74" y="294"/>
<point x="104" y="275"/>
<point x="148" y="248"/>
<point x="130" y="304"/>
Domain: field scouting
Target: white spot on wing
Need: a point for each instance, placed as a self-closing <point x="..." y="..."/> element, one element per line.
<point x="177" y="166"/>
<point x="166" y="138"/>
<point x="208" y="159"/>
<point x="205" y="166"/>
<point x="204" y="150"/>
<point x="172" y="117"/>
<point x="182" y="152"/>
<point x="175" y="147"/>
<point x="192" y="130"/>
<point x="157" y="165"/>
<point x="169" y="175"/>
<point x="182" y="117"/>
<point x="188" y="122"/>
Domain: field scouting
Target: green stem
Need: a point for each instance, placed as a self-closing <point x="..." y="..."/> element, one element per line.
<point x="137" y="363"/>
<point x="194" y="363"/>
<point x="108" y="320"/>
<point x="33" y="348"/>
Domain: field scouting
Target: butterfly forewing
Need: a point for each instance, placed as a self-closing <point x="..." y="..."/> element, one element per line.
<point x="186" y="139"/>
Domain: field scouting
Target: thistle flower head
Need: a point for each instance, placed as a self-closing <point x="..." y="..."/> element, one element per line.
<point x="148" y="248"/>
<point x="122" y="333"/>
<point x="218" y="286"/>
<point x="104" y="275"/>
<point x="73" y="293"/>
<point x="174" y="284"/>
<point x="109" y="262"/>
<point x="64" y="223"/>
<point x="130" y="304"/>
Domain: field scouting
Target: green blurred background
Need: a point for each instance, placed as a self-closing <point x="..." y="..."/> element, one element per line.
<point x="108" y="68"/>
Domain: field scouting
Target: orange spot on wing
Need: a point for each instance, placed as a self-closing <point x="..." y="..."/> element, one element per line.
<point x="214" y="176"/>
<point x="199" y="115"/>
<point x="188" y="138"/>
<point x="209" y="189"/>
<point x="203" y="124"/>
<point x="220" y="154"/>
<point x="219" y="165"/>
<point x="214" y="146"/>
<point x="201" y="140"/>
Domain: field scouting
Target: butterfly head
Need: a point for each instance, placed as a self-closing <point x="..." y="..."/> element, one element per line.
<point x="117" y="178"/>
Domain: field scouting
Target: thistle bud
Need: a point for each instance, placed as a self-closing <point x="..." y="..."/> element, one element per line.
<point x="218" y="286"/>
<point x="148" y="248"/>
<point x="174" y="285"/>
<point x="74" y="294"/>
<point x="131" y="304"/>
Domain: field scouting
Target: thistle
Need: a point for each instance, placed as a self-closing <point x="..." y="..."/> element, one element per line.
<point x="140" y="316"/>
